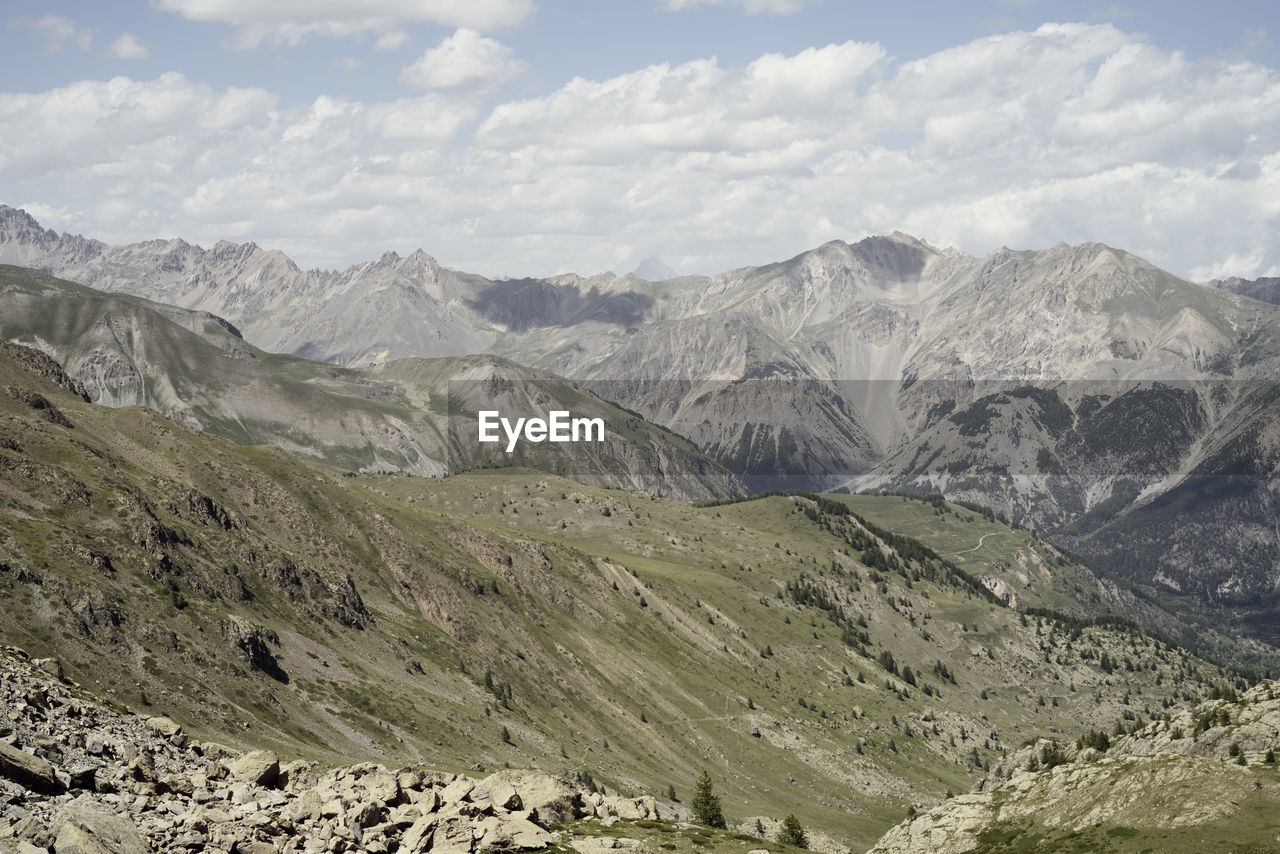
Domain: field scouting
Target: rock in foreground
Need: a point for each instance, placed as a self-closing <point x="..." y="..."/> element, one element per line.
<point x="76" y="778"/>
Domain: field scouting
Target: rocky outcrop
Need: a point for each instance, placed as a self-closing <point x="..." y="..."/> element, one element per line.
<point x="40" y="404"/>
<point x="84" y="828"/>
<point x="42" y="365"/>
<point x="253" y="645"/>
<point x="1196" y="767"/>
<point x="77" y="778"/>
<point x="1001" y="589"/>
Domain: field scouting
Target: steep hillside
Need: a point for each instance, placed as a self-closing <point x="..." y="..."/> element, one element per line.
<point x="395" y="417"/>
<point x="1201" y="778"/>
<point x="813" y="662"/>
<point x="1029" y="572"/>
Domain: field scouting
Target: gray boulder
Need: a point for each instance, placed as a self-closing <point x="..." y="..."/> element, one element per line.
<point x="83" y="829"/>
<point x="259" y="767"/>
<point x="552" y="799"/>
<point x="28" y="771"/>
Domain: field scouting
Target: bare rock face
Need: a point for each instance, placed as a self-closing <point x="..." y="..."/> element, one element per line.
<point x="551" y="799"/>
<point x="252" y="643"/>
<point x="1002" y="590"/>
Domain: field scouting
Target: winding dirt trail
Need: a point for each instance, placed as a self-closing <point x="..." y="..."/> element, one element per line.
<point x="974" y="549"/>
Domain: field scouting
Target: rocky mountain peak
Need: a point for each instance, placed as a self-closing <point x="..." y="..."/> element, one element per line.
<point x="16" y="221"/>
<point x="654" y="269"/>
<point x="911" y="239"/>
<point x="1265" y="289"/>
<point x="23" y="241"/>
<point x="226" y="250"/>
<point x="419" y="263"/>
<point x="21" y="235"/>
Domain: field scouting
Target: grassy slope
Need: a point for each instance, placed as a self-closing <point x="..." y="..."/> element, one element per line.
<point x="1203" y="778"/>
<point x="1042" y="576"/>
<point x="636" y="638"/>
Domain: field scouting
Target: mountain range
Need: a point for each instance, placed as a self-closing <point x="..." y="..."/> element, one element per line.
<point x="805" y="650"/>
<point x="410" y="415"/>
<point x="1080" y="390"/>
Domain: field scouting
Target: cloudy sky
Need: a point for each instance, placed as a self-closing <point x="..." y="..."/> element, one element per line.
<point x="529" y="137"/>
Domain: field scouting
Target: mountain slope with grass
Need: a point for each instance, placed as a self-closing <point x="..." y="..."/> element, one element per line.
<point x="1202" y="778"/>
<point x="810" y="660"/>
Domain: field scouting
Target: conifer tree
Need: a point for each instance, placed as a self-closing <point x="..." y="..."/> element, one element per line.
<point x="706" y="803"/>
<point x="792" y="833"/>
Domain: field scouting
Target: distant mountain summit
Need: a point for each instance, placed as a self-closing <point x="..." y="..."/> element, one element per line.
<point x="387" y="308"/>
<point x="654" y="269"/>
<point x="1266" y="289"/>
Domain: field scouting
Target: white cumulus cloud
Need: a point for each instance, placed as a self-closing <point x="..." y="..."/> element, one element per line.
<point x="127" y="46"/>
<point x="751" y="7"/>
<point x="291" y="22"/>
<point x="464" y="60"/>
<point x="58" y="32"/>
<point x="1070" y="132"/>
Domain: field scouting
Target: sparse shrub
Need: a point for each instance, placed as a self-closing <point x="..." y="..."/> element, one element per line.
<point x="1052" y="755"/>
<point x="1097" y="739"/>
<point x="792" y="833"/>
